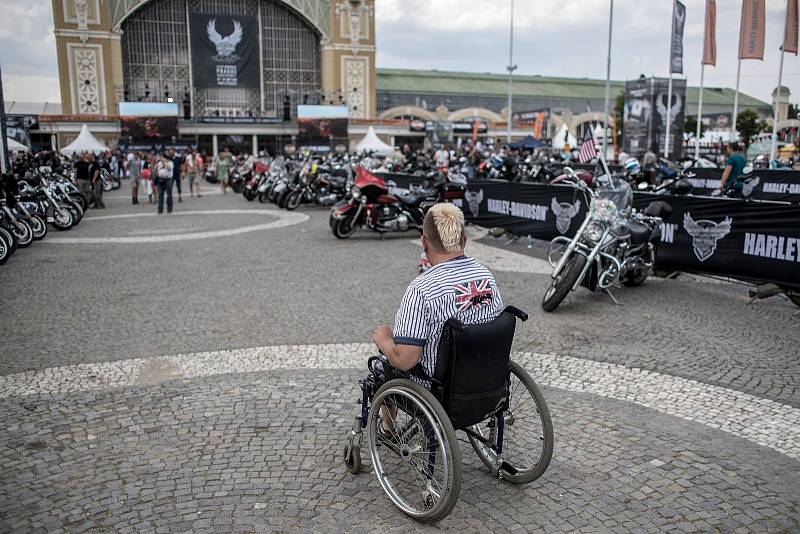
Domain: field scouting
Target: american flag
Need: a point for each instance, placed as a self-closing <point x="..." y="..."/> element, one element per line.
<point x="588" y="150"/>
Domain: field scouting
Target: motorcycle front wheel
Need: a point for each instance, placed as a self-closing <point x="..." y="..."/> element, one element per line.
<point x="281" y="200"/>
<point x="344" y="228"/>
<point x="5" y="249"/>
<point x="249" y="194"/>
<point x="62" y="219"/>
<point x="38" y="226"/>
<point x="24" y="233"/>
<point x="562" y="284"/>
<point x="293" y="200"/>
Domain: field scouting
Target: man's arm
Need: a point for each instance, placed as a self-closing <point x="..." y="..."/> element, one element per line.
<point x="725" y="175"/>
<point x="401" y="356"/>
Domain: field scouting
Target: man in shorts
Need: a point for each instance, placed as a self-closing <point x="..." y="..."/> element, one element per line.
<point x="192" y="164"/>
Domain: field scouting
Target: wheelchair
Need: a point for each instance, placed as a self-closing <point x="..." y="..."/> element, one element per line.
<point x="475" y="388"/>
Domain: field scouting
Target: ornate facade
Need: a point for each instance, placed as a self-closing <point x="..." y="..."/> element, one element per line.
<point x="311" y="51"/>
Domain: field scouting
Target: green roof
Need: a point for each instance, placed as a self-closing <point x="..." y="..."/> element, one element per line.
<point x="479" y="83"/>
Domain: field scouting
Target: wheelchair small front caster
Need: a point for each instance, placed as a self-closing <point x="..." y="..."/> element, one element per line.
<point x="352" y="459"/>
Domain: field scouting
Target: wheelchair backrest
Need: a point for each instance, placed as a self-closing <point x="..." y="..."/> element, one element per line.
<point x="472" y="370"/>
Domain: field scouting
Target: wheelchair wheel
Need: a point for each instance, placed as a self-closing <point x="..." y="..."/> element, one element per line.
<point x="527" y="436"/>
<point x="418" y="463"/>
<point x="352" y="459"/>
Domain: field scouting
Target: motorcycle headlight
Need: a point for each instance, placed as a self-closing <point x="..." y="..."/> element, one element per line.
<point x="593" y="232"/>
<point x="356" y="192"/>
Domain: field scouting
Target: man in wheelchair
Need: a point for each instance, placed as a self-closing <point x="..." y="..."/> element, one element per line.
<point x="446" y="367"/>
<point x="456" y="286"/>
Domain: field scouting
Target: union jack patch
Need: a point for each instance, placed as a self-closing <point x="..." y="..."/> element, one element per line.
<point x="473" y="294"/>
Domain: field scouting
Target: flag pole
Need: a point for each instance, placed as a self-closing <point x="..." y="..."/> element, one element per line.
<point x="776" y="107"/>
<point x="734" y="132"/>
<point x="669" y="89"/>
<point x="608" y="78"/>
<point x="511" y="68"/>
<point x="5" y="166"/>
<point x="699" y="113"/>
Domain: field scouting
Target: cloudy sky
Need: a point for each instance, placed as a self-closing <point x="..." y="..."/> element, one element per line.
<point x="552" y="37"/>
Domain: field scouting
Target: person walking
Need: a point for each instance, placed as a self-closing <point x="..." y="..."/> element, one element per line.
<point x="135" y="174"/>
<point x="164" y="173"/>
<point x="223" y="165"/>
<point x="191" y="166"/>
<point x="84" y="172"/>
<point x="97" y="182"/>
<point x="177" y="165"/>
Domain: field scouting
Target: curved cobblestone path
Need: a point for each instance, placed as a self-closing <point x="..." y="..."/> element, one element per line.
<point x="102" y="430"/>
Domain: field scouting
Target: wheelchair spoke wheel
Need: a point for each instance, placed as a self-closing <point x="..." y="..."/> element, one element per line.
<point x="414" y="450"/>
<point x="527" y="434"/>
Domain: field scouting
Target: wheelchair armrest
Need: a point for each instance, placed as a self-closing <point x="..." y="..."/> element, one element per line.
<point x="516" y="312"/>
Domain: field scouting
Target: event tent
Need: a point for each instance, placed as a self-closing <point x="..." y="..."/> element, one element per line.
<point x="372" y="143"/>
<point x="15" y="146"/>
<point x="85" y="142"/>
<point x="563" y="137"/>
<point x="528" y="142"/>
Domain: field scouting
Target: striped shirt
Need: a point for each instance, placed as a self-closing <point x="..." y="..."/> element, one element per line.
<point x="460" y="288"/>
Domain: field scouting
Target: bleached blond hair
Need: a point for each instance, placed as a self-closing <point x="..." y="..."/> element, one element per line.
<point x="444" y="228"/>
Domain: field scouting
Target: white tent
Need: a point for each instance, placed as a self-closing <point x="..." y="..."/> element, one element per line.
<point x="563" y="137"/>
<point x="15" y="146"/>
<point x="372" y="143"/>
<point x="85" y="142"/>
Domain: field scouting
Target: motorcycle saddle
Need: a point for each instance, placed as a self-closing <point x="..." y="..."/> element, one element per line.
<point x="640" y="232"/>
<point x="412" y="199"/>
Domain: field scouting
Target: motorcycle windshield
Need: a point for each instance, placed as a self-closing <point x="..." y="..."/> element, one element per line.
<point x="616" y="190"/>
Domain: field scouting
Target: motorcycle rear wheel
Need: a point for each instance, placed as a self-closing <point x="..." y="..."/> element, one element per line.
<point x="562" y="285"/>
<point x="344" y="228"/>
<point x="636" y="277"/>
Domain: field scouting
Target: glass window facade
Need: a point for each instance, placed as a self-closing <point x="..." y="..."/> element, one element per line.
<point x="156" y="58"/>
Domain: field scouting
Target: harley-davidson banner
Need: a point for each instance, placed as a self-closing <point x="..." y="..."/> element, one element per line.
<point x="224" y="51"/>
<point x="757" y="241"/>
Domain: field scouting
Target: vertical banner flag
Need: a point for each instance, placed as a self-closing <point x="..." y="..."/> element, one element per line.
<point x="751" y="37"/>
<point x="225" y="51"/>
<point x="710" y="45"/>
<point x="677" y="38"/>
<point x="538" y="126"/>
<point x="790" y="37"/>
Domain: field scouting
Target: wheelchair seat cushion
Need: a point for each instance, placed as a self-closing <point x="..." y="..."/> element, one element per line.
<point x="472" y="369"/>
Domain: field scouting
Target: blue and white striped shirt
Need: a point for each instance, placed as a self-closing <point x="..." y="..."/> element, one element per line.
<point x="460" y="288"/>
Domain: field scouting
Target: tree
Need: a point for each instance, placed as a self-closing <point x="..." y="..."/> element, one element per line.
<point x="690" y="127"/>
<point x="763" y="127"/>
<point x="747" y="124"/>
<point x="794" y="111"/>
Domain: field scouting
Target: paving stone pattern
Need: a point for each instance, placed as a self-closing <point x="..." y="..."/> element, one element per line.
<point x="260" y="452"/>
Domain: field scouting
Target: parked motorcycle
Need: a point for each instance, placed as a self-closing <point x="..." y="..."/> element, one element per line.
<point x="614" y="244"/>
<point x="370" y="205"/>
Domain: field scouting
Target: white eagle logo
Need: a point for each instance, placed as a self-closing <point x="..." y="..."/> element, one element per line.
<point x="564" y="213"/>
<point x="474" y="201"/>
<point x="750" y="185"/>
<point x="705" y="234"/>
<point x="226" y="46"/>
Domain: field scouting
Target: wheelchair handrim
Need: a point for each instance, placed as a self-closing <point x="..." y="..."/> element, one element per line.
<point x="383" y="477"/>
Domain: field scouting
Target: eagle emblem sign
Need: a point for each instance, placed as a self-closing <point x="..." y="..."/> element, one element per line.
<point x="226" y="46"/>
<point x="705" y="234"/>
<point x="474" y="200"/>
<point x="564" y="213"/>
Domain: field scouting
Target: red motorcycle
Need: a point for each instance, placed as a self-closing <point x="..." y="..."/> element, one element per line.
<point x="370" y="204"/>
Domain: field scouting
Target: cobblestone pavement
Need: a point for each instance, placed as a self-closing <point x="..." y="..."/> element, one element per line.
<point x="676" y="411"/>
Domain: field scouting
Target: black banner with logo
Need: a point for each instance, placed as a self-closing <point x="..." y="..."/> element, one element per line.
<point x="768" y="184"/>
<point x="757" y="241"/>
<point x="225" y="51"/>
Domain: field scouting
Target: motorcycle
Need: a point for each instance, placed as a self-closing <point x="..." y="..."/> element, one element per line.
<point x="370" y="205"/>
<point x="614" y="244"/>
<point x="261" y="169"/>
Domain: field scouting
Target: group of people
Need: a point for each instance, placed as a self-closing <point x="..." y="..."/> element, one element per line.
<point x="158" y="175"/>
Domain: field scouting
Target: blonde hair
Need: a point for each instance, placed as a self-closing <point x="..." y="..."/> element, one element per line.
<point x="444" y="228"/>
